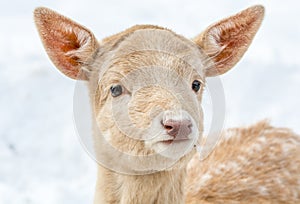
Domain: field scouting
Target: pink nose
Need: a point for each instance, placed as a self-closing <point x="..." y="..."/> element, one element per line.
<point x="179" y="129"/>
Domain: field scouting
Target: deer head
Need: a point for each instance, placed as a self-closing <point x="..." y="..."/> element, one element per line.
<point x="146" y="83"/>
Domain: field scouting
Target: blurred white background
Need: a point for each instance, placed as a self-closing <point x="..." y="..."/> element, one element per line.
<point x="41" y="159"/>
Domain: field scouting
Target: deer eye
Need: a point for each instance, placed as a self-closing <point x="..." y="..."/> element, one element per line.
<point x="196" y="85"/>
<point x="116" y="90"/>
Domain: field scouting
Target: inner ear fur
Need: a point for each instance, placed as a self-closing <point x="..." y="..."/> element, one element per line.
<point x="226" y="41"/>
<point x="70" y="46"/>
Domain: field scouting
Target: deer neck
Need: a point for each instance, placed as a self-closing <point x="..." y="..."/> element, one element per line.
<point x="162" y="187"/>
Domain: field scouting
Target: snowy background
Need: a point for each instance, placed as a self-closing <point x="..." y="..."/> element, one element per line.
<point x="41" y="159"/>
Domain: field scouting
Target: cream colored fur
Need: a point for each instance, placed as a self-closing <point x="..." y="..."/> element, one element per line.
<point x="155" y="68"/>
<point x="256" y="164"/>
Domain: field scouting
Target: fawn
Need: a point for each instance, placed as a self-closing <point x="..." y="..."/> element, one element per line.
<point x="146" y="86"/>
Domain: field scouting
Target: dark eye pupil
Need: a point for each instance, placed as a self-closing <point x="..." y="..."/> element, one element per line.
<point x="196" y="85"/>
<point x="116" y="90"/>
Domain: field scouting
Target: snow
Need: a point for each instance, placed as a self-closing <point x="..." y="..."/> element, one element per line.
<point x="42" y="160"/>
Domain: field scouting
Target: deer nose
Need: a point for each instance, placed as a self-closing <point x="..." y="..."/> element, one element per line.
<point x="179" y="129"/>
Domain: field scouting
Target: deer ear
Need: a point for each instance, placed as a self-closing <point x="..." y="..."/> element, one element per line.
<point x="226" y="41"/>
<point x="70" y="46"/>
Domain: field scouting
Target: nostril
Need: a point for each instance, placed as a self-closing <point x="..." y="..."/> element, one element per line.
<point x="170" y="124"/>
<point x="168" y="127"/>
<point x="177" y="129"/>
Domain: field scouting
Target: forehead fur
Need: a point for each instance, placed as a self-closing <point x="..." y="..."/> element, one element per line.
<point x="144" y="46"/>
<point x="114" y="39"/>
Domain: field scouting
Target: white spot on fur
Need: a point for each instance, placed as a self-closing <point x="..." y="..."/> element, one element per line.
<point x="228" y="166"/>
<point x="242" y="159"/>
<point x="204" y="178"/>
<point x="231" y="133"/>
<point x="278" y="181"/>
<point x="232" y="165"/>
<point x="263" y="190"/>
<point x="107" y="135"/>
<point x="219" y="169"/>
<point x="262" y="139"/>
<point x="254" y="148"/>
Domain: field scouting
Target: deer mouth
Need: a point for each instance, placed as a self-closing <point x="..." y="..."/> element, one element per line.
<point x="174" y="141"/>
